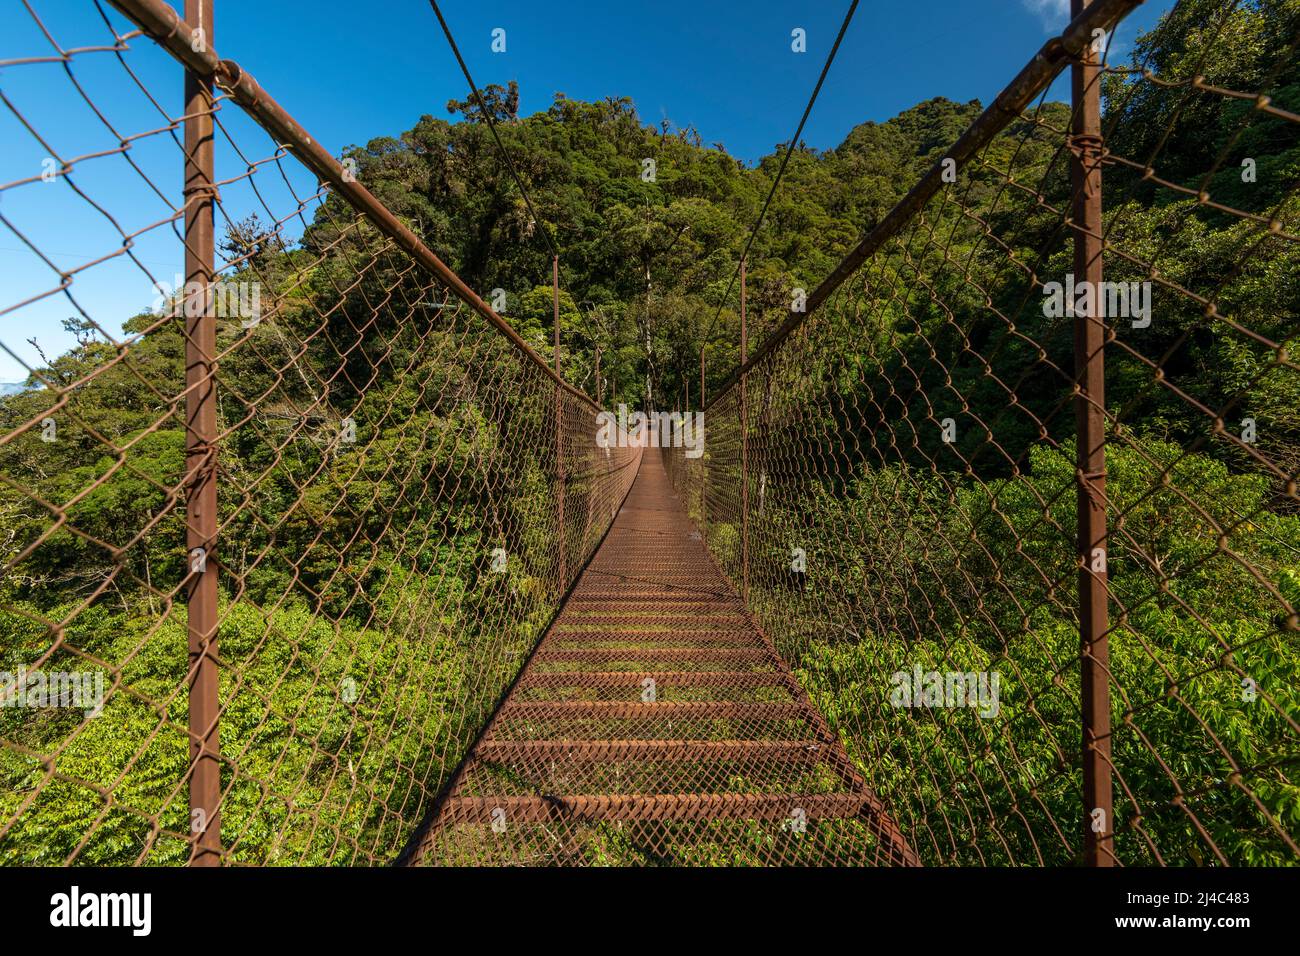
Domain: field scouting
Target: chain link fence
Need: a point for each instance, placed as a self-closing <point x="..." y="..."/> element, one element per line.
<point x="1005" y="513"/>
<point x="275" y="545"/>
<point x="1018" y="500"/>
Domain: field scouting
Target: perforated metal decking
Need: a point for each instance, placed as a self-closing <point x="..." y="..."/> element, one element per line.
<point x="655" y="724"/>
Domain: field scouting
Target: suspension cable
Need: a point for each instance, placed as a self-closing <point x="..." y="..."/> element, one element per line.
<point x="478" y="98"/>
<point x="789" y="150"/>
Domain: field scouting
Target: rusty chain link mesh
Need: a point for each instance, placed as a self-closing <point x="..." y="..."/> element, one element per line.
<point x="911" y="482"/>
<point x="387" y="483"/>
<point x="656" y="726"/>
<point x="890" y="493"/>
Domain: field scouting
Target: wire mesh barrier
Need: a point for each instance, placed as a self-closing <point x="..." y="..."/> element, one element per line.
<point x="274" y="548"/>
<point x="1027" y="531"/>
<point x="992" y="555"/>
<point x="656" y="726"/>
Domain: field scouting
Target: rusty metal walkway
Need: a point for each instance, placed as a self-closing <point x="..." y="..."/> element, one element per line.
<point x="655" y="724"/>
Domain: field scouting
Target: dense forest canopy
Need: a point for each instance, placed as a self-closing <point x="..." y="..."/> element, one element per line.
<point x="645" y="263"/>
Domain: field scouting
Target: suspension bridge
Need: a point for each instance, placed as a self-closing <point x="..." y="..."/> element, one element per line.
<point x="373" y="591"/>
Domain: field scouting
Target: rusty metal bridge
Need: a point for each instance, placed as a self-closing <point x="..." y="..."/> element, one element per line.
<point x="351" y="578"/>
<point x="655" y="705"/>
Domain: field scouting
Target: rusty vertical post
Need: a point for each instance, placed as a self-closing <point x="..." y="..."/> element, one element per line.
<point x="744" y="445"/>
<point x="704" y="475"/>
<point x="559" y="424"/>
<point x="201" y="456"/>
<point x="1090" y="406"/>
<point x="600" y="392"/>
<point x="701" y="377"/>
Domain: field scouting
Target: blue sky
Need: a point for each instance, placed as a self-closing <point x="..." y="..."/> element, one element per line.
<point x="351" y="71"/>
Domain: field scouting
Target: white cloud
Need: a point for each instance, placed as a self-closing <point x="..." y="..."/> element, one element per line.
<point x="1054" y="13"/>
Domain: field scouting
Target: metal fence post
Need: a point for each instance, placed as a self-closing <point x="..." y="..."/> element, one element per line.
<point x="1090" y="407"/>
<point x="559" y="424"/>
<point x="201" y="455"/>
<point x="702" y="396"/>
<point x="744" y="445"/>
<point x="704" y="472"/>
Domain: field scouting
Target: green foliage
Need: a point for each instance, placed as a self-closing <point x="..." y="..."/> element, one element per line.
<point x="1182" y="721"/>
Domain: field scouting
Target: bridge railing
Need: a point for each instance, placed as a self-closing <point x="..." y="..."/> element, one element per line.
<point x="274" y="543"/>
<point x="1036" y="553"/>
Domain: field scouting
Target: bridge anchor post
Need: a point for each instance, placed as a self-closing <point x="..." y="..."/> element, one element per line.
<point x="744" y="444"/>
<point x="200" y="323"/>
<point x="563" y="574"/>
<point x="1090" y="335"/>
